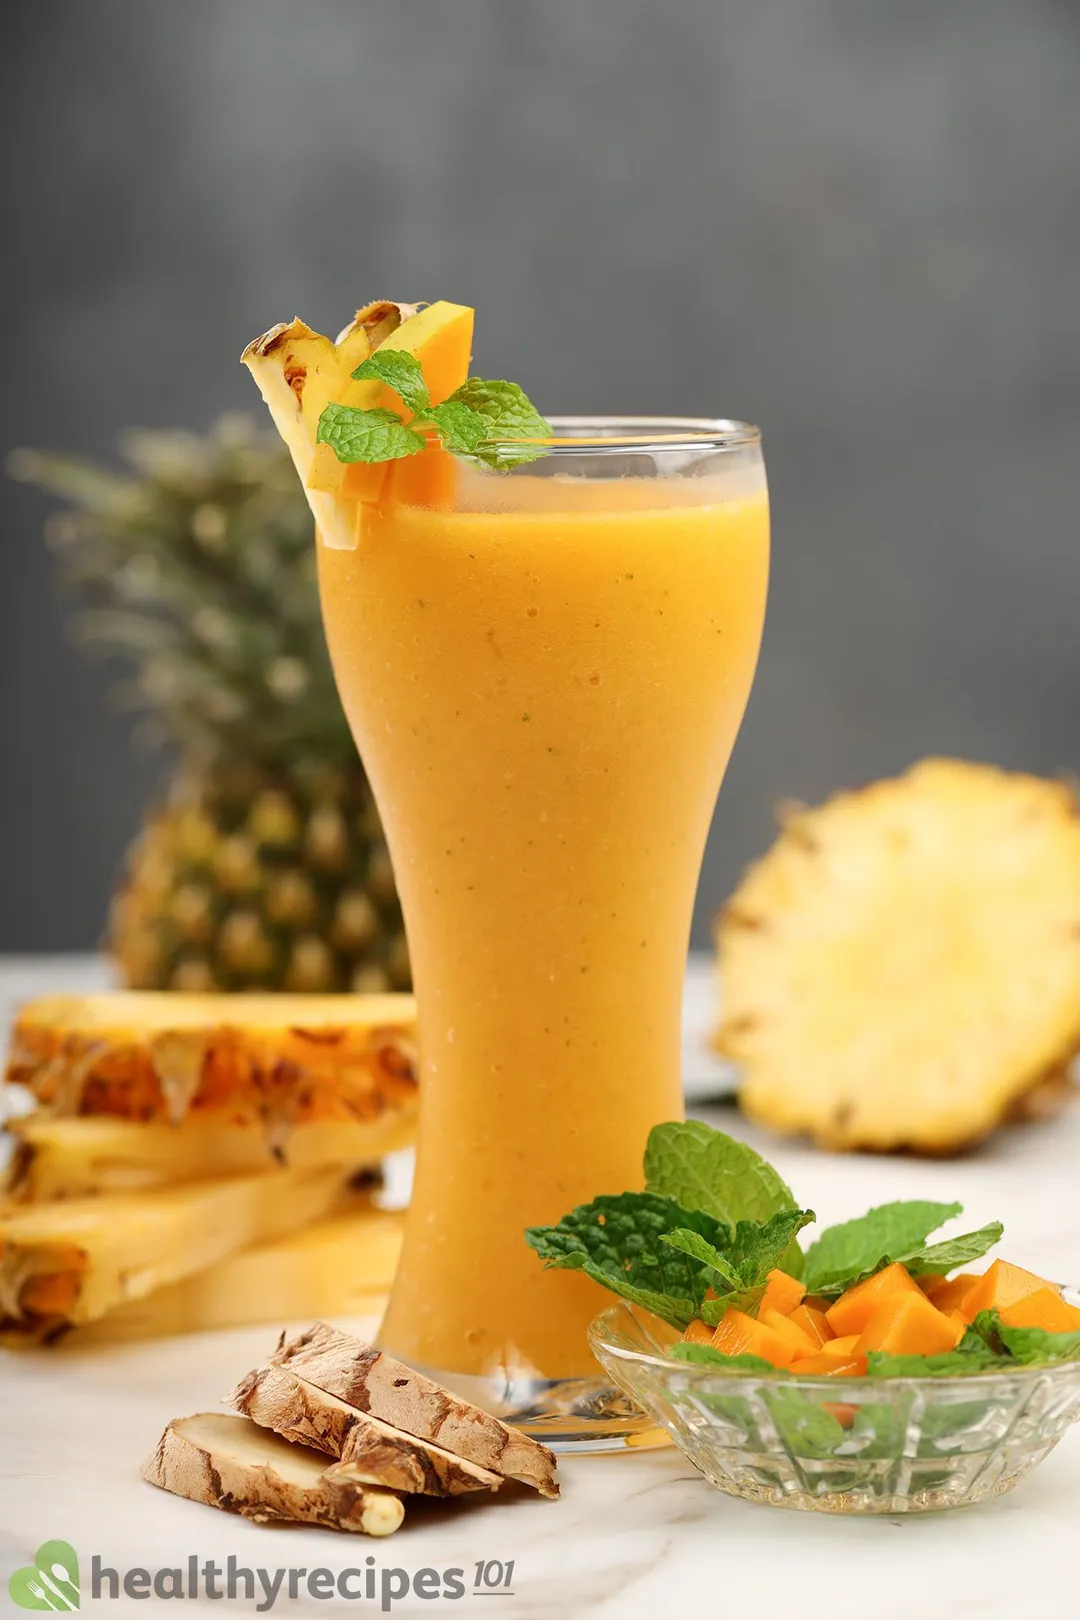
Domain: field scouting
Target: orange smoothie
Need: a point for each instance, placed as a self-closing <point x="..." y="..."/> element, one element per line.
<point x="545" y="684"/>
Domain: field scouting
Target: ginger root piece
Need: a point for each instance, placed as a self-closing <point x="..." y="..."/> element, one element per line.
<point x="72" y="1262"/>
<point x="902" y="969"/>
<point x="368" y="1451"/>
<point x="375" y="1383"/>
<point x="229" y="1462"/>
<point x="341" y="1266"/>
<point x="272" y="1060"/>
<point x="94" y="1156"/>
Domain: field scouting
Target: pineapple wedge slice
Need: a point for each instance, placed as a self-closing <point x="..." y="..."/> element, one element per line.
<point x="73" y="1262"/>
<point x="277" y="1061"/>
<point x="96" y="1156"/>
<point x="299" y="372"/>
<point x="341" y="1266"/>
<point x="902" y="969"/>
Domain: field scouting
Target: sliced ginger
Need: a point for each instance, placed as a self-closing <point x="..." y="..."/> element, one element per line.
<point x="902" y="969"/>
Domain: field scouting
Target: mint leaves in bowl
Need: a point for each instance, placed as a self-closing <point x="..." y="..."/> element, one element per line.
<point x="862" y="1372"/>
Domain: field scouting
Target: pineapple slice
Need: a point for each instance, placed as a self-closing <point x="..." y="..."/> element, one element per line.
<point x="73" y="1262"/>
<point x="902" y="969"/>
<point x="276" y="1061"/>
<point x="92" y="1157"/>
<point x="341" y="1266"/>
<point x="299" y="373"/>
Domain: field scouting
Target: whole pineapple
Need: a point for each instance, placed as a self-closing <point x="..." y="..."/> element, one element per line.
<point x="266" y="867"/>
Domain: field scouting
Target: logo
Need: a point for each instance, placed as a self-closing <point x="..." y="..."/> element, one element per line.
<point x="50" y="1582"/>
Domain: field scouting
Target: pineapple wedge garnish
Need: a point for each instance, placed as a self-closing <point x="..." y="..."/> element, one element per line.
<point x="902" y="969"/>
<point x="272" y="1061"/>
<point x="72" y="1262"/>
<point x="97" y="1156"/>
<point x="299" y="372"/>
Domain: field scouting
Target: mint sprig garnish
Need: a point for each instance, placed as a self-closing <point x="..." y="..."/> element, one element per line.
<point x="470" y="423"/>
<point x="847" y="1254"/>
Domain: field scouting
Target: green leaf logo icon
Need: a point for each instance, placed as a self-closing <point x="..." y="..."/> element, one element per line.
<point x="50" y="1582"/>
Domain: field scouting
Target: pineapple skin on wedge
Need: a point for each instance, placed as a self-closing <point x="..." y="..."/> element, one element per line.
<point x="269" y="1061"/>
<point x="902" y="969"/>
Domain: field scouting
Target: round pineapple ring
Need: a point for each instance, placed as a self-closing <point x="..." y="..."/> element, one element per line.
<point x="902" y="969"/>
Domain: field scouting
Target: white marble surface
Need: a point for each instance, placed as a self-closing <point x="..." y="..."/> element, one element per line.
<point x="634" y="1535"/>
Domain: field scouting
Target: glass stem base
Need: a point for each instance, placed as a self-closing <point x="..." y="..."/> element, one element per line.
<point x="565" y="1414"/>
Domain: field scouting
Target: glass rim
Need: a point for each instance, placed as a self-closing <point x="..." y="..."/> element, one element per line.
<point x="700" y="1372"/>
<point x="621" y="435"/>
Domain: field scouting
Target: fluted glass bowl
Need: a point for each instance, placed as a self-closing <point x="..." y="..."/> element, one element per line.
<point x="843" y="1445"/>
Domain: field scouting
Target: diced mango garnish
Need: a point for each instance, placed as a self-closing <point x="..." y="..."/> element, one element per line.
<point x="699" y="1333"/>
<point x="740" y="1335"/>
<point x="801" y="1343"/>
<point x="948" y="1294"/>
<point x="1045" y="1309"/>
<point x="909" y="1325"/>
<point x="782" y="1293"/>
<point x="814" y="1323"/>
<point x="853" y="1310"/>
<point x="838" y="1348"/>
<point x="847" y="1366"/>
<point x="1003" y="1285"/>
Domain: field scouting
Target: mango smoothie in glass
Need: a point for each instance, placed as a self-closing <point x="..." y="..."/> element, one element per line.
<point x="545" y="675"/>
<point x="544" y="642"/>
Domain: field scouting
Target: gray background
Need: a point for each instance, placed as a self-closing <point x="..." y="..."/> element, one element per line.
<point x="855" y="221"/>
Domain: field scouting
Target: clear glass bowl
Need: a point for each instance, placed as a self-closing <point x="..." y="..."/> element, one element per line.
<point x="843" y="1445"/>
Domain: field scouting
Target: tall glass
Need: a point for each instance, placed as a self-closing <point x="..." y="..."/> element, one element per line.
<point x="545" y="670"/>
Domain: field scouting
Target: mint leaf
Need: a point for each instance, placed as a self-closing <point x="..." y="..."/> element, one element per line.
<point x="1025" y="1346"/>
<point x="807" y="1429"/>
<point x="755" y="1249"/>
<point x="461" y="429"/>
<point x="704" y="1169"/>
<point x="509" y="414"/>
<point x="698" y="1248"/>
<point x="399" y="370"/>
<point x="954" y="1252"/>
<point x="356" y="435"/>
<point x="848" y="1253"/>
<point x="615" y="1240"/>
<point x="947" y="1364"/>
<point x="707" y="1356"/>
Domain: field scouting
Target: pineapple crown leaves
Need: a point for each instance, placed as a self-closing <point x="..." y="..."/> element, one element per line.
<point x="196" y="569"/>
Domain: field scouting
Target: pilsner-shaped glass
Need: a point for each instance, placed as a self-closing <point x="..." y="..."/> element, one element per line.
<point x="545" y="667"/>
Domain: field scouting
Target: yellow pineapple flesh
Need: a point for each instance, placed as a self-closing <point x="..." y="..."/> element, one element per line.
<point x="902" y="968"/>
<point x="72" y="1262"/>
<point x="96" y="1156"/>
<point x="340" y="1266"/>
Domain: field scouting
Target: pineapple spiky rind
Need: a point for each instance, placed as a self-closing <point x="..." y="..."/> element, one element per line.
<point x="902" y="968"/>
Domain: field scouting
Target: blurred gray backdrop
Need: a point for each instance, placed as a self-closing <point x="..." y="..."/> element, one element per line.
<point x="854" y="221"/>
